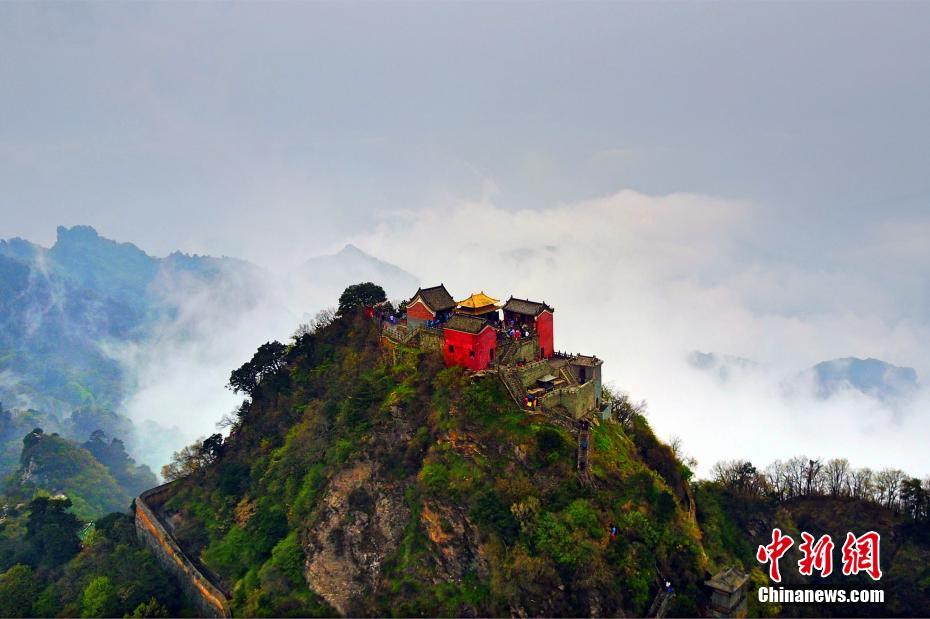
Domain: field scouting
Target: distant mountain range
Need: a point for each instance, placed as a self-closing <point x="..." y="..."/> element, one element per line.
<point x="65" y="309"/>
<point x="872" y="377"/>
<point x="58" y="305"/>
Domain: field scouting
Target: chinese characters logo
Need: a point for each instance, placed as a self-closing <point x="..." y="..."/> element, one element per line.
<point x="859" y="554"/>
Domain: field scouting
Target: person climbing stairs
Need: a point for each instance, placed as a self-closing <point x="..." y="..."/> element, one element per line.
<point x="662" y="601"/>
<point x="584" y="448"/>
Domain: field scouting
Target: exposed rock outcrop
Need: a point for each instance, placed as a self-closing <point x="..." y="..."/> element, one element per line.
<point x="361" y="523"/>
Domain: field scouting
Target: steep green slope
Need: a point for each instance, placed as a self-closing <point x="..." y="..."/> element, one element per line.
<point x="355" y="486"/>
<point x="45" y="571"/>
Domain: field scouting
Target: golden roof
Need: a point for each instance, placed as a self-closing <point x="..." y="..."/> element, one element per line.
<point x="477" y="301"/>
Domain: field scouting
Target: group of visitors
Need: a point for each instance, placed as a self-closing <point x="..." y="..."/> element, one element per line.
<point x="513" y="331"/>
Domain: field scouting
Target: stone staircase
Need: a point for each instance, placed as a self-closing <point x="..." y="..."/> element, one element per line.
<point x="568" y="377"/>
<point x="584" y="451"/>
<point x="513" y="384"/>
<point x="663" y="598"/>
<point x="506" y="350"/>
<point x="660" y="604"/>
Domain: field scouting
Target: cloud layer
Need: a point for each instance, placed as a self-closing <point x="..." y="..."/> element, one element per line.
<point x="644" y="280"/>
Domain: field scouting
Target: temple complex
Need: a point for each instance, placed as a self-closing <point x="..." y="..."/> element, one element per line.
<point x="514" y="339"/>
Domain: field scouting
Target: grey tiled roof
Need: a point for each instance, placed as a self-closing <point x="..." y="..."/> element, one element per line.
<point x="437" y="298"/>
<point x="468" y="324"/>
<point x="728" y="580"/>
<point x="526" y="307"/>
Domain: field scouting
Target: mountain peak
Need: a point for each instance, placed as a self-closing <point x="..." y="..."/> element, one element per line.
<point x="76" y="233"/>
<point x="350" y="265"/>
<point x="83" y="238"/>
<point x="870" y="376"/>
<point x="351" y="250"/>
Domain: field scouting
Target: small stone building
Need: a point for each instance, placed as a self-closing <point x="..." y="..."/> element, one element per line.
<point x="430" y="304"/>
<point x="586" y="368"/>
<point x="727" y="591"/>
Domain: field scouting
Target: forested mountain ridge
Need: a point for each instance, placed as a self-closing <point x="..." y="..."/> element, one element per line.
<point x="68" y="546"/>
<point x="62" y="304"/>
<point x="351" y="485"/>
<point x="98" y="476"/>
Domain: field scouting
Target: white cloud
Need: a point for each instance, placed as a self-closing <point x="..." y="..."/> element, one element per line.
<point x="640" y="281"/>
<point x="643" y="280"/>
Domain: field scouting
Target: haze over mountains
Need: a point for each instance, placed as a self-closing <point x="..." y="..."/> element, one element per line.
<point x="63" y="305"/>
<point x="882" y="381"/>
<point x="97" y="325"/>
<point x="90" y="323"/>
<point x="327" y="275"/>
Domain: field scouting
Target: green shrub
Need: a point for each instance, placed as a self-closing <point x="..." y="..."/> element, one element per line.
<point x="489" y="511"/>
<point x="99" y="598"/>
<point x="18" y="589"/>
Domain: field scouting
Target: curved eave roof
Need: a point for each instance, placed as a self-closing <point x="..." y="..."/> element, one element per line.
<point x="478" y="300"/>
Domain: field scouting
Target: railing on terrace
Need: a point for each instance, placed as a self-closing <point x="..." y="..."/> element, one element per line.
<point x="561" y="354"/>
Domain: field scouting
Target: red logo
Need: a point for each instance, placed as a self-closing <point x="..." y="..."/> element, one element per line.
<point x="773" y="552"/>
<point x="817" y="556"/>
<point x="860" y="554"/>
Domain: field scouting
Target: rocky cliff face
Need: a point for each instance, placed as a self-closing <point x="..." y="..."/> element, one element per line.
<point x="361" y="523"/>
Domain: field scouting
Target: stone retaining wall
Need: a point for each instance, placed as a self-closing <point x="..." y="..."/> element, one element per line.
<point x="577" y="400"/>
<point x="531" y="372"/>
<point x="209" y="600"/>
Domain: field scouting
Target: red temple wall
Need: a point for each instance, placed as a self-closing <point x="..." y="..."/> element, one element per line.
<point x="419" y="311"/>
<point x="544" y="329"/>
<point x="464" y="344"/>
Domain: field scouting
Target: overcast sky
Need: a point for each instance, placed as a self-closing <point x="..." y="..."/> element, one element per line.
<point x="743" y="178"/>
<point x="238" y="128"/>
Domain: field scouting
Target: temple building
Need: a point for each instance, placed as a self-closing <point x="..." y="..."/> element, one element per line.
<point x="535" y="316"/>
<point x="469" y="341"/>
<point x="480" y="305"/>
<point x="517" y="347"/>
<point x="429" y="304"/>
<point x="586" y="368"/>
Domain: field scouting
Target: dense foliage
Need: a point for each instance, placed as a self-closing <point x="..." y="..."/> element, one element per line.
<point x="46" y="571"/>
<point x="98" y="477"/>
<point x="357" y="296"/>
<point x="50" y="464"/>
<point x="485" y="498"/>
